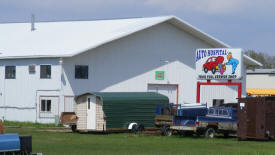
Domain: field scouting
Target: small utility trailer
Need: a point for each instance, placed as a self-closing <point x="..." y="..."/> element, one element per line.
<point x="114" y="111"/>
<point x="256" y="117"/>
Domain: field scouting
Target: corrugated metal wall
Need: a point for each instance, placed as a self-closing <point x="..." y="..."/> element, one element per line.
<point x="69" y="104"/>
<point x="210" y="92"/>
<point x="119" y="115"/>
<point x="121" y="109"/>
<point x="256" y="118"/>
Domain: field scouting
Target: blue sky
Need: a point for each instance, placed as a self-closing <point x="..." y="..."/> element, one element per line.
<point x="243" y="24"/>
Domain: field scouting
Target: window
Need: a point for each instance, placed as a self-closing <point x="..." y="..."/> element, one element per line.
<point x="89" y="103"/>
<point x="81" y="72"/>
<point x="220" y="112"/>
<point x="10" y="72"/>
<point x="46" y="105"/>
<point x="45" y="71"/>
<point x="211" y="111"/>
<point x="32" y="68"/>
<point x="216" y="112"/>
<point x="225" y="113"/>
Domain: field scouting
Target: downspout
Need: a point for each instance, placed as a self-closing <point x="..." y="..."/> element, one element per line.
<point x="61" y="93"/>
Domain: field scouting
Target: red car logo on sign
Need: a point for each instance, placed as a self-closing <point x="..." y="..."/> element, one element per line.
<point x="214" y="64"/>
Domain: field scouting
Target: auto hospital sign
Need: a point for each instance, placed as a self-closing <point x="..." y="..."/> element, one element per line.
<point x="223" y="64"/>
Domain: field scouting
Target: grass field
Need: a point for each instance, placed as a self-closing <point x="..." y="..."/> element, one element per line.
<point x="83" y="144"/>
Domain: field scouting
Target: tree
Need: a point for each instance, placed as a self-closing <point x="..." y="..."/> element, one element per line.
<point x="267" y="60"/>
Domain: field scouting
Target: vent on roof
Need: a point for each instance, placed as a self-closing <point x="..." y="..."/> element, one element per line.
<point x="32" y="22"/>
<point x="32" y="68"/>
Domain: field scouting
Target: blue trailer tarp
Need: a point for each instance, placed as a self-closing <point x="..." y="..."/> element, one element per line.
<point x="9" y="142"/>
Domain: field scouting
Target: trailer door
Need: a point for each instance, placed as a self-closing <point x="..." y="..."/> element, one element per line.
<point x="91" y="113"/>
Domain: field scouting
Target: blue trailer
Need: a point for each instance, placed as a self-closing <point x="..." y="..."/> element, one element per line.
<point x="9" y="143"/>
<point x="12" y="143"/>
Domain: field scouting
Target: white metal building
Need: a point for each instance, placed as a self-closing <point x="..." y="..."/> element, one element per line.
<point x="260" y="82"/>
<point x="261" y="79"/>
<point x="43" y="69"/>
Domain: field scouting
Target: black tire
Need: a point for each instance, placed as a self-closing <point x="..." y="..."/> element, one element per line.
<point x="73" y="127"/>
<point x="210" y="133"/>
<point x="205" y="70"/>
<point x="213" y="70"/>
<point x="165" y="131"/>
<point x="134" y="128"/>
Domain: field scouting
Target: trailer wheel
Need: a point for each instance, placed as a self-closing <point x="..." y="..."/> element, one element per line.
<point x="134" y="128"/>
<point x="210" y="133"/>
<point x="166" y="131"/>
<point x="137" y="128"/>
<point x="73" y="127"/>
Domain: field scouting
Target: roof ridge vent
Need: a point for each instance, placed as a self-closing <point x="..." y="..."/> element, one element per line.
<point x="32" y="22"/>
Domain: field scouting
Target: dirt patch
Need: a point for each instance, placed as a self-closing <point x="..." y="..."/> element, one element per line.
<point x="56" y="130"/>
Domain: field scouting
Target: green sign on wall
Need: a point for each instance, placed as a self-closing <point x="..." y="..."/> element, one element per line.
<point x="159" y="75"/>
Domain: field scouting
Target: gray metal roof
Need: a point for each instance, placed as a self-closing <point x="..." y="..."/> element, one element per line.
<point x="261" y="71"/>
<point x="62" y="38"/>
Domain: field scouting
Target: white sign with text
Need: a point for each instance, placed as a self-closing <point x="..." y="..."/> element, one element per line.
<point x="224" y="63"/>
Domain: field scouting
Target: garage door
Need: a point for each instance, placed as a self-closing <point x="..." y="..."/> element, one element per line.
<point x="210" y="92"/>
<point x="168" y="90"/>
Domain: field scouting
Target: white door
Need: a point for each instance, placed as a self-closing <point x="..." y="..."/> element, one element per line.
<point x="210" y="92"/>
<point x="91" y="113"/>
<point x="168" y="90"/>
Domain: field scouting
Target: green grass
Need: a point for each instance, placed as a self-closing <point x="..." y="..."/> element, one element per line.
<point x="85" y="144"/>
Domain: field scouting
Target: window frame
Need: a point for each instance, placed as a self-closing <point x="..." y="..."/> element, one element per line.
<point x="45" y="109"/>
<point x="50" y="71"/>
<point x="75" y="72"/>
<point x="6" y="77"/>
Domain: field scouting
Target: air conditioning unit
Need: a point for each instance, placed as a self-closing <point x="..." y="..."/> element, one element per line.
<point x="32" y="68"/>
